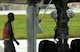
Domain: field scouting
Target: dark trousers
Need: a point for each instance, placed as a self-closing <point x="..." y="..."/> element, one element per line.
<point x="9" y="46"/>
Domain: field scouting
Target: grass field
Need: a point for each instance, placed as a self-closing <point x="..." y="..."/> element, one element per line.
<point x="47" y="25"/>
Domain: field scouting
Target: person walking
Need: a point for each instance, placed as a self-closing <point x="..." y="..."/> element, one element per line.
<point x="8" y="35"/>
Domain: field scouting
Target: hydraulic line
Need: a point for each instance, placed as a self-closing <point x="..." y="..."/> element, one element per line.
<point x="45" y="11"/>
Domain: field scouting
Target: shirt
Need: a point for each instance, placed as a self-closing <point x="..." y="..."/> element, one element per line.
<point x="6" y="28"/>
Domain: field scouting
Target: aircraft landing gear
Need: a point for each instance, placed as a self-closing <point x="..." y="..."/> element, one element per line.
<point x="61" y="16"/>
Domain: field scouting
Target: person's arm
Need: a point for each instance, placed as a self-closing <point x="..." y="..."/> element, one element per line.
<point x="8" y="29"/>
<point x="10" y="33"/>
<point x="13" y="36"/>
<point x="15" y="41"/>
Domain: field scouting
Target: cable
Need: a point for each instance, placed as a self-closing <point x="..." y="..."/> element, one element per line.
<point x="45" y="11"/>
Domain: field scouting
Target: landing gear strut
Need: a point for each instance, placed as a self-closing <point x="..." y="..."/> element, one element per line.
<point x="61" y="30"/>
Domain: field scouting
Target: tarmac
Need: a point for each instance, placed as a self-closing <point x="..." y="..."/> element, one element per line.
<point x="23" y="44"/>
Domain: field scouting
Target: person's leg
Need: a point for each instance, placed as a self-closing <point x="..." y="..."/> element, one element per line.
<point x="9" y="47"/>
<point x="12" y="47"/>
<point x="5" y="46"/>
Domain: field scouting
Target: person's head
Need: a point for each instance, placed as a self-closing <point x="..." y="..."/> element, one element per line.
<point x="10" y="17"/>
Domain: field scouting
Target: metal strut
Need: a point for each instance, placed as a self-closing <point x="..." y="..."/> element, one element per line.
<point x="61" y="31"/>
<point x="33" y="26"/>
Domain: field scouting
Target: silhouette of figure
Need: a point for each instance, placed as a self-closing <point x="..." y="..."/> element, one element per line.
<point x="8" y="35"/>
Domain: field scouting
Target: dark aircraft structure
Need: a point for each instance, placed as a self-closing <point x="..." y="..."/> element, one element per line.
<point x="61" y="29"/>
<point x="73" y="1"/>
<point x="26" y="1"/>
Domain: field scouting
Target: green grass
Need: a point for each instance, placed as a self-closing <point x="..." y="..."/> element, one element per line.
<point x="47" y="25"/>
<point x="74" y="25"/>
